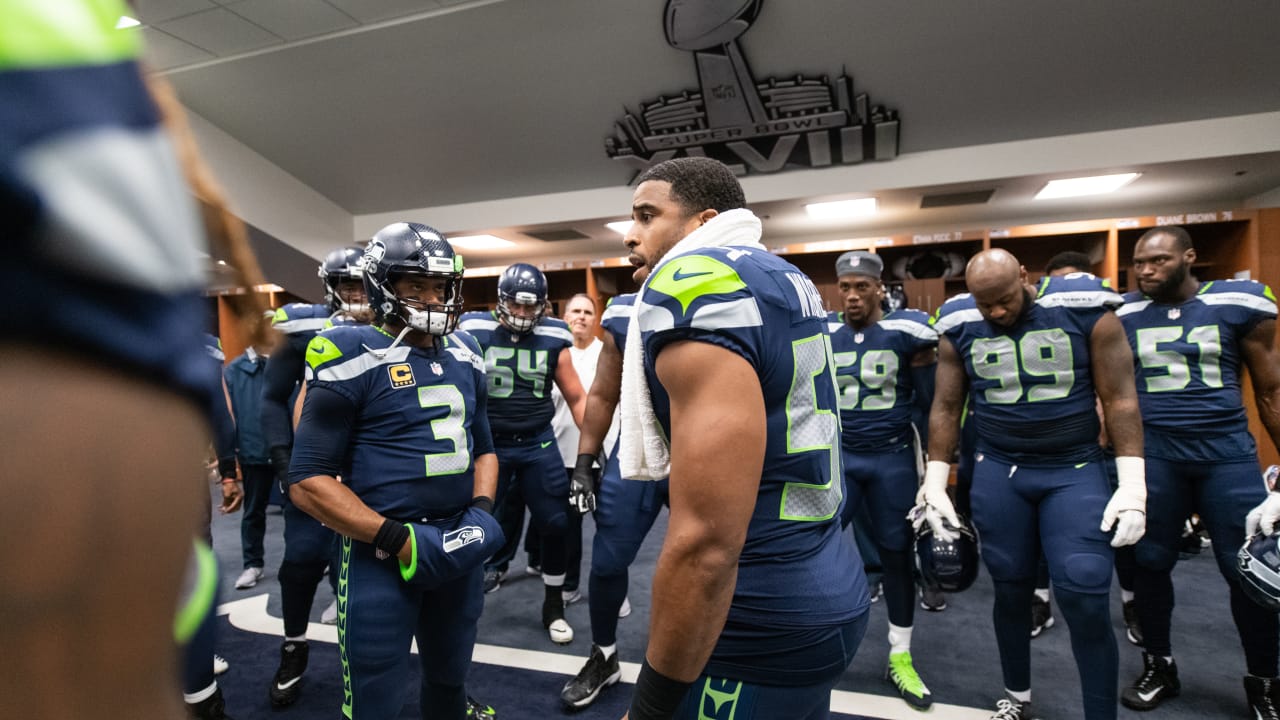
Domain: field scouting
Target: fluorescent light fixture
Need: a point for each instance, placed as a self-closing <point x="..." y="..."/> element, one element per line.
<point x="1076" y="187"/>
<point x="841" y="209"/>
<point x="222" y="262"/>
<point x="621" y="227"/>
<point x="479" y="242"/>
<point x="126" y="22"/>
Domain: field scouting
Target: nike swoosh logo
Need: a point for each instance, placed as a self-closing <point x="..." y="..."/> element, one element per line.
<point x="547" y="444"/>
<point x="1146" y="696"/>
<point x="287" y="685"/>
<point x="680" y="275"/>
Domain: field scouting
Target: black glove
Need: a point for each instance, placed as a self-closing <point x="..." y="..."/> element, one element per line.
<point x="280" y="466"/>
<point x="584" y="484"/>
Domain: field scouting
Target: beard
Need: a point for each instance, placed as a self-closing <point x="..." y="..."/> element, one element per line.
<point x="1169" y="286"/>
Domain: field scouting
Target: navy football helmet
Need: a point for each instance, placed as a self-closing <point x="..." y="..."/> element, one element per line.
<point x="409" y="247"/>
<point x="521" y="284"/>
<point x="950" y="566"/>
<point x="339" y="265"/>
<point x="1259" y="565"/>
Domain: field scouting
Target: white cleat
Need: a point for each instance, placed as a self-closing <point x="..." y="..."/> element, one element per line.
<point x="248" y="578"/>
<point x="560" y="631"/>
<point x="330" y="614"/>
<point x="625" y="610"/>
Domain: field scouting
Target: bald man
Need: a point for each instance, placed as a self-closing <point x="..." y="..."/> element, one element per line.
<point x="1033" y="359"/>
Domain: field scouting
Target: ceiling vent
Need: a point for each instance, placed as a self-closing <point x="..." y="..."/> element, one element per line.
<point x="557" y="235"/>
<point x="973" y="197"/>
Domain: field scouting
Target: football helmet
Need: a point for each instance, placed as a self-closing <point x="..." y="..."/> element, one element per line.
<point x="950" y="566"/>
<point x="521" y="284"/>
<point x="405" y="248"/>
<point x="341" y="264"/>
<point x="1259" y="565"/>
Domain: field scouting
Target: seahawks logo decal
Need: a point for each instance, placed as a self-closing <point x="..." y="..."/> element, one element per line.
<point x="462" y="537"/>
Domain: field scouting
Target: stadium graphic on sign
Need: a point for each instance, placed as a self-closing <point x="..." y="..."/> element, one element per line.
<point x="752" y="126"/>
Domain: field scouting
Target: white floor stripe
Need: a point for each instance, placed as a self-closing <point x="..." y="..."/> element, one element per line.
<point x="250" y="615"/>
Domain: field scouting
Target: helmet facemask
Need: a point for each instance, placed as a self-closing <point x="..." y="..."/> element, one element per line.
<point x="433" y="318"/>
<point x="520" y="322"/>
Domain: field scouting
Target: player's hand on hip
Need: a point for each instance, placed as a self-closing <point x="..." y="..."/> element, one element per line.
<point x="1263" y="517"/>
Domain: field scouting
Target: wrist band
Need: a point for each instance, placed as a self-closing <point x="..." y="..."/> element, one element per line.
<point x="484" y="503"/>
<point x="656" y="696"/>
<point x="391" y="537"/>
<point x="226" y="480"/>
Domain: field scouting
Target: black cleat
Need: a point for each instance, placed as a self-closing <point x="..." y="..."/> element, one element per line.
<point x="493" y="580"/>
<point x="1264" y="703"/>
<point x="1158" y="681"/>
<point x="1041" y="615"/>
<point x="214" y="708"/>
<point x="287" y="684"/>
<point x="598" y="674"/>
<point x="1010" y="709"/>
<point x="1132" y="629"/>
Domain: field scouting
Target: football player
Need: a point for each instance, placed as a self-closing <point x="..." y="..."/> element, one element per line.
<point x="624" y="513"/>
<point x="1190" y="339"/>
<point x="884" y="368"/>
<point x="397" y="411"/>
<point x="728" y="371"/>
<point x="1032" y="359"/>
<point x="524" y="353"/>
<point x="308" y="546"/>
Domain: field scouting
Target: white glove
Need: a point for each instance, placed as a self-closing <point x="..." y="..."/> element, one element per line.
<point x="1127" y="509"/>
<point x="1263" y="517"/>
<point x="933" y="504"/>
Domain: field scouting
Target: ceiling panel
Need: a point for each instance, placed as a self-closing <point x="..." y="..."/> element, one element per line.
<point x="164" y="51"/>
<point x="151" y="12"/>
<point x="292" y="19"/>
<point x="220" y="31"/>
<point x="367" y="11"/>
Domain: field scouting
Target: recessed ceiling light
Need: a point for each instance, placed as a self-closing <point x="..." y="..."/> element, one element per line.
<point x="126" y="22"/>
<point x="479" y="242"/>
<point x="621" y="227"/>
<point x="841" y="209"/>
<point x="1076" y="187"/>
<point x="222" y="262"/>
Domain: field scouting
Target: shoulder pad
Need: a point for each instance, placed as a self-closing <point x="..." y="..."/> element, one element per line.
<point x="955" y="312"/>
<point x="300" y="317"/>
<point x="1248" y="294"/>
<point x="1077" y="290"/>
<point x="911" y="322"/>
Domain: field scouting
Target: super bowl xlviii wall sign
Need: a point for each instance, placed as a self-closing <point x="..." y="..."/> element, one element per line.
<point x="752" y="126"/>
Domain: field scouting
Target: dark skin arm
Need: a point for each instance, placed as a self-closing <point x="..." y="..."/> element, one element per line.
<point x="950" y="386"/>
<point x="602" y="398"/>
<point x="1111" y="362"/>
<point x="332" y="503"/>
<point x="717" y="454"/>
<point x="1263" y="361"/>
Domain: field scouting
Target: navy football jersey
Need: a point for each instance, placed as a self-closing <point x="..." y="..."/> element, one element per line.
<point x="617" y="318"/>
<point x="1032" y="384"/>
<point x="521" y="370"/>
<point x="1188" y="356"/>
<point x="418" y="419"/>
<point x="298" y="323"/>
<point x="873" y="373"/>
<point x="764" y="309"/>
<point x="104" y="241"/>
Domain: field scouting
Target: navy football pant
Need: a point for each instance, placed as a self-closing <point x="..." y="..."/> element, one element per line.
<point x="1019" y="510"/>
<point x="536" y="468"/>
<point x="1222" y="493"/>
<point x="379" y="615"/>
<point x="885" y="484"/>
<point x="715" y="695"/>
<point x="195" y="628"/>
<point x="625" y="511"/>
<point x="309" y="548"/>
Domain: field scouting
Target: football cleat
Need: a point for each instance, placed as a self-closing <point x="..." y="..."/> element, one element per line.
<point x="1158" y="681"/>
<point x="493" y="580"/>
<point x="625" y="610"/>
<point x="286" y="686"/>
<point x="1262" y="695"/>
<point x="1010" y="709"/>
<point x="220" y="664"/>
<point x="903" y="676"/>
<point x="248" y="578"/>
<point x="553" y="620"/>
<point x="1132" y="628"/>
<point x="932" y="599"/>
<point x="597" y="674"/>
<point x="330" y="614"/>
<point x="477" y="709"/>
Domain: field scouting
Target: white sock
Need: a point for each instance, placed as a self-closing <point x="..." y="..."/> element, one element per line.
<point x="899" y="639"/>
<point x="608" y="650"/>
<point x="1043" y="594"/>
<point x="1126" y="596"/>
<point x="1022" y="696"/>
<point x="553" y="580"/>
<point x="201" y="695"/>
<point x="300" y="638"/>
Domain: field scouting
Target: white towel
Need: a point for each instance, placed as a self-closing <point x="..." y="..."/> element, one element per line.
<point x="643" y="450"/>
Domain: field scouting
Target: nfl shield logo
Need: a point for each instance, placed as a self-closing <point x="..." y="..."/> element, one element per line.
<point x="1175" y="313"/>
<point x="435" y="368"/>
<point x="857" y="337"/>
